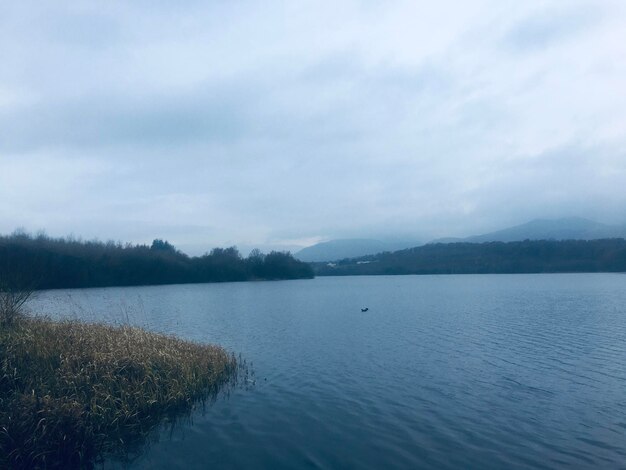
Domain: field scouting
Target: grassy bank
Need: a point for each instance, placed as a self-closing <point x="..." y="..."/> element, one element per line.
<point x="72" y="392"/>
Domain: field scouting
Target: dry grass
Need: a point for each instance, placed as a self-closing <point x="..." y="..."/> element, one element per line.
<point x="72" y="392"/>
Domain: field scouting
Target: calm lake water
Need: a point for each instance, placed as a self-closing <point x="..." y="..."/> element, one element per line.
<point x="485" y="371"/>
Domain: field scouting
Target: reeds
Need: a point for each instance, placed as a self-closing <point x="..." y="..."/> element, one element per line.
<point x="71" y="392"/>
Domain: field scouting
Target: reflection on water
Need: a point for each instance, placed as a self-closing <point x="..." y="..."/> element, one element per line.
<point x="124" y="454"/>
<point x="519" y="371"/>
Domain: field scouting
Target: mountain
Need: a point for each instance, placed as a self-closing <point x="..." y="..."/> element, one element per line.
<point x="570" y="228"/>
<point x="339" y="249"/>
<point x="350" y="248"/>
<point x="528" y="256"/>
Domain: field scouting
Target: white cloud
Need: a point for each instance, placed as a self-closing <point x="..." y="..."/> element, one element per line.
<point x="281" y="123"/>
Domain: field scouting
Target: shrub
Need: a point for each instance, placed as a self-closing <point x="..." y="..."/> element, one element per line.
<point x="12" y="300"/>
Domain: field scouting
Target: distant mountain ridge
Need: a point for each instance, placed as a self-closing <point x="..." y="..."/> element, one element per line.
<point x="349" y="248"/>
<point x="337" y="249"/>
<point x="569" y="228"/>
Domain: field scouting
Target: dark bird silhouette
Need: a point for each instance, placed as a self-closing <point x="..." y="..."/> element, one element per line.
<point x="364" y="309"/>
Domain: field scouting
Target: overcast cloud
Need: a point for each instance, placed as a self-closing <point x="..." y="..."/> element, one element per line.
<point x="278" y="124"/>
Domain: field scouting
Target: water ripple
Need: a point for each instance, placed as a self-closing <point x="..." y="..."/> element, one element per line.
<point x="521" y="371"/>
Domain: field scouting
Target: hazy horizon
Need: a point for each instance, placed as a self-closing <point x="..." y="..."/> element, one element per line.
<point x="276" y="125"/>
<point x="391" y="242"/>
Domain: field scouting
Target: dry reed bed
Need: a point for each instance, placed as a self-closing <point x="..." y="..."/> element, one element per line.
<point x="72" y="392"/>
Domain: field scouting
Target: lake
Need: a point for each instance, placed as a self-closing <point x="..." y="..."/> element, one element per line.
<point x="468" y="371"/>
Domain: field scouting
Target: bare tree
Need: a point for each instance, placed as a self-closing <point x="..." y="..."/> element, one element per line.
<point x="12" y="300"/>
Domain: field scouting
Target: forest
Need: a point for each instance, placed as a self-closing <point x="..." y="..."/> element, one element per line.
<point x="41" y="262"/>
<point x="529" y="256"/>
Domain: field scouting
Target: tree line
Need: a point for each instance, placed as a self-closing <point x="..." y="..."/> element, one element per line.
<point x="529" y="256"/>
<point x="42" y="262"/>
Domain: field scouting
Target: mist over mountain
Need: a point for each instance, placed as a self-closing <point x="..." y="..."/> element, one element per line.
<point x="336" y="249"/>
<point x="568" y="228"/>
<point x="350" y="248"/>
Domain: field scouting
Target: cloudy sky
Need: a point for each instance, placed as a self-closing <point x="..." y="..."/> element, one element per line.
<point x="282" y="123"/>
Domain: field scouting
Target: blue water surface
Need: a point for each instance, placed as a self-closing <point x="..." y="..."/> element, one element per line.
<point x="468" y="371"/>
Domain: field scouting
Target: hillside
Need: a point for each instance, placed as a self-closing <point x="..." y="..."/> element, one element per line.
<point x="348" y="248"/>
<point x="570" y="228"/>
<point x="541" y="256"/>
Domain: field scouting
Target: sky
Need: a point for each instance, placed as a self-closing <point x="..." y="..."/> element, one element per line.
<point x="279" y="124"/>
